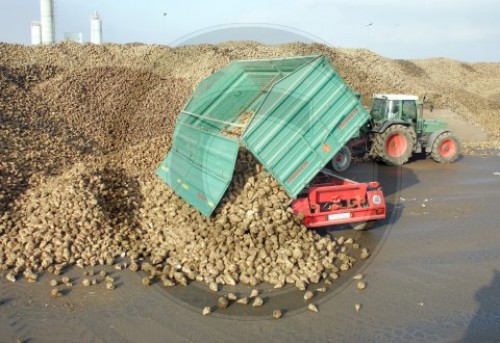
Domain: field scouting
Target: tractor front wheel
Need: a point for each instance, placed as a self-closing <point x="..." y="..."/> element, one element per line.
<point x="446" y="148"/>
<point x="395" y="145"/>
<point x="342" y="160"/>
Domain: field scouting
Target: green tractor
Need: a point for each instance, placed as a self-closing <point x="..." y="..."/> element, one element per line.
<point x="396" y="130"/>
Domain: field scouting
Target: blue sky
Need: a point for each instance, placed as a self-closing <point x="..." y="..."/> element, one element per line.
<point x="460" y="29"/>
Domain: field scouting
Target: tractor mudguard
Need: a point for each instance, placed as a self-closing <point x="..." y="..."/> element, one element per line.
<point x="432" y="138"/>
<point x="389" y="123"/>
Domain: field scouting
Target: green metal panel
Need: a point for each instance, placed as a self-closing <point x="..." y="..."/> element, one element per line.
<point x="199" y="167"/>
<point x="433" y="125"/>
<point x="238" y="87"/>
<point x="304" y="121"/>
<point x="293" y="114"/>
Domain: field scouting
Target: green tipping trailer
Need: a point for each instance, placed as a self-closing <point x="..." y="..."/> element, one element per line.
<point x="293" y="114"/>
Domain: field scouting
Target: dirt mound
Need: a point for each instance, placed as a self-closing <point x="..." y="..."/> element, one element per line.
<point x="70" y="219"/>
<point x="108" y="207"/>
<point x="83" y="127"/>
<point x="411" y="69"/>
<point x="31" y="142"/>
<point x="99" y="215"/>
<point x="115" y="106"/>
<point x="365" y="71"/>
<point x="70" y="55"/>
<point x="467" y="88"/>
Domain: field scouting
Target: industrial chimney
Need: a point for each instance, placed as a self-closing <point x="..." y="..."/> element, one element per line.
<point x="95" y="29"/>
<point x="48" y="22"/>
<point x="36" y="33"/>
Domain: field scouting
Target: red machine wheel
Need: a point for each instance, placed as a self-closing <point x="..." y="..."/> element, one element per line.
<point x="395" y="145"/>
<point x="342" y="160"/>
<point x="446" y="148"/>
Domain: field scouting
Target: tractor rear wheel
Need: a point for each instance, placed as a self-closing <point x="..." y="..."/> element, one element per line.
<point x="446" y="148"/>
<point x="395" y="145"/>
<point x="362" y="226"/>
<point x="342" y="160"/>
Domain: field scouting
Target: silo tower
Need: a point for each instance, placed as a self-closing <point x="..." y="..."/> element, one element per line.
<point x="48" y="21"/>
<point x="36" y="33"/>
<point x="95" y="29"/>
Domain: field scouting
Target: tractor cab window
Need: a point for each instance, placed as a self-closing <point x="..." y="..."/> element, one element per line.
<point x="409" y="109"/>
<point x="380" y="109"/>
<point x="394" y="109"/>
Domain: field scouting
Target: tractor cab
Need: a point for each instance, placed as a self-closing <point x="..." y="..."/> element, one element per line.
<point x="395" y="107"/>
<point x="402" y="108"/>
<point x="397" y="129"/>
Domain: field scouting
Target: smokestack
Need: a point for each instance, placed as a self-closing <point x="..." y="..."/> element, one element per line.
<point x="95" y="29"/>
<point x="48" y="22"/>
<point x="36" y="33"/>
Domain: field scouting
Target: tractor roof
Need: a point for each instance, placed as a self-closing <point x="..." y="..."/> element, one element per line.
<point x="395" y="96"/>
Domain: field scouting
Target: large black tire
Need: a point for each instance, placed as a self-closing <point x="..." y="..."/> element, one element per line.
<point x="362" y="226"/>
<point x="395" y="145"/>
<point x="342" y="160"/>
<point x="446" y="148"/>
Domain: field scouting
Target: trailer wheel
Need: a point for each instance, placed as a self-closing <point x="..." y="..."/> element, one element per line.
<point x="446" y="148"/>
<point x="342" y="160"/>
<point x="362" y="226"/>
<point x="395" y="145"/>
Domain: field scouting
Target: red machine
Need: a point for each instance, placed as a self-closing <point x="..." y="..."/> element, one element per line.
<point x="334" y="200"/>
